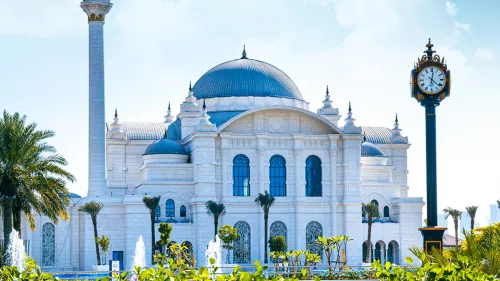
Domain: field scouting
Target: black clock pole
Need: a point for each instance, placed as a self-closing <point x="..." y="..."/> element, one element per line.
<point x="430" y="144"/>
<point x="432" y="233"/>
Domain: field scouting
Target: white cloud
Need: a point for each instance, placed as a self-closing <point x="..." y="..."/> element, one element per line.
<point x="484" y="53"/>
<point x="462" y="27"/>
<point x="451" y="8"/>
<point x="42" y="18"/>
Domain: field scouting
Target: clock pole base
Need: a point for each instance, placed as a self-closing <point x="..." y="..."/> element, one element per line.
<point x="433" y="238"/>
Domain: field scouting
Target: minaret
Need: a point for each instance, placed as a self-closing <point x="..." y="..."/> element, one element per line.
<point x="96" y="10"/>
<point x="169" y="118"/>
<point x="350" y="127"/>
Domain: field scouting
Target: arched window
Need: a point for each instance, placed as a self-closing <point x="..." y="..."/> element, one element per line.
<point x="241" y="247"/>
<point x="277" y="175"/>
<point x="313" y="176"/>
<point x="241" y="175"/>
<point x="378" y="252"/>
<point x="365" y="244"/>
<point x="183" y="211"/>
<point x="374" y="202"/>
<point x="393" y="252"/>
<point x="278" y="228"/>
<point x="48" y="245"/>
<point x="386" y="212"/>
<point x="313" y="230"/>
<point x="170" y="208"/>
<point x="157" y="213"/>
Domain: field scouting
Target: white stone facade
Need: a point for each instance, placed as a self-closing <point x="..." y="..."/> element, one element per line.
<point x="258" y="126"/>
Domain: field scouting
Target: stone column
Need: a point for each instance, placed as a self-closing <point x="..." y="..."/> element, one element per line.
<point x="226" y="190"/>
<point x="96" y="10"/>
<point x="333" y="191"/>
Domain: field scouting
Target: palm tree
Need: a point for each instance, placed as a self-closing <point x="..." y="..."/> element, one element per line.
<point x="265" y="201"/>
<point x="456" y="215"/>
<point x="371" y="211"/>
<point x="216" y="210"/>
<point x="152" y="203"/>
<point x="472" y="214"/>
<point x="31" y="174"/>
<point x="498" y="203"/>
<point x="93" y="208"/>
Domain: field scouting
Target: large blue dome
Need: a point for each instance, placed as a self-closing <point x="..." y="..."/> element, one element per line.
<point x="245" y="77"/>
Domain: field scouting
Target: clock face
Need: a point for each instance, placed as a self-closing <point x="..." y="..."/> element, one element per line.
<point x="431" y="80"/>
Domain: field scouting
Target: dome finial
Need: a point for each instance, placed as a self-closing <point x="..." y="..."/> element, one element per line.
<point x="115" y="120"/>
<point x="364" y="137"/>
<point x="396" y="121"/>
<point x="204" y="105"/>
<point x="350" y="110"/>
<point x="168" y="106"/>
<point x="244" y="54"/>
<point x="190" y="88"/>
<point x="165" y="134"/>
<point x="327" y="92"/>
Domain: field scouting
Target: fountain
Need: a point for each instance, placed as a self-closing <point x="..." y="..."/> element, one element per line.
<point x="140" y="254"/>
<point x="15" y="254"/>
<point x="214" y="250"/>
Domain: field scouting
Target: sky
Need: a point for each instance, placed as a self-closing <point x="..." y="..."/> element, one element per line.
<point x="363" y="49"/>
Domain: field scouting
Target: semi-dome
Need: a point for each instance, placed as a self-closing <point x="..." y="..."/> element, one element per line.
<point x="368" y="149"/>
<point x="245" y="77"/>
<point x="165" y="146"/>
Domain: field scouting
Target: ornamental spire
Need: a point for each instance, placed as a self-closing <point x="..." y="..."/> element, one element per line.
<point x="116" y="116"/>
<point x="396" y="136"/>
<point x="350" y="127"/>
<point x="244" y="54"/>
<point x="190" y="104"/>
<point x="165" y="134"/>
<point x="169" y="118"/>
<point x="429" y="50"/>
<point x="327" y="111"/>
<point x="116" y="126"/>
<point x="204" y="125"/>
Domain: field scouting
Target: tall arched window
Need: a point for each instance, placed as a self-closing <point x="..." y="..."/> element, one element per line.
<point x="386" y="212"/>
<point x="313" y="176"/>
<point x="48" y="245"/>
<point x="313" y="230"/>
<point x="170" y="208"/>
<point x="241" y="247"/>
<point x="157" y="213"/>
<point x="278" y="228"/>
<point x="241" y="175"/>
<point x="183" y="211"/>
<point x="277" y="175"/>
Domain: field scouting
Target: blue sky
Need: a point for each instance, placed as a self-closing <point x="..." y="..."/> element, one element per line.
<point x="363" y="50"/>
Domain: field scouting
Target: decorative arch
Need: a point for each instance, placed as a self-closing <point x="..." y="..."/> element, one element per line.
<point x="48" y="245"/>
<point x="170" y="208"/>
<point x="314" y="176"/>
<point x="333" y="127"/>
<point x="375" y="202"/>
<point x="313" y="231"/>
<point x="278" y="228"/>
<point x="242" y="245"/>
<point x="277" y="176"/>
<point x="241" y="175"/>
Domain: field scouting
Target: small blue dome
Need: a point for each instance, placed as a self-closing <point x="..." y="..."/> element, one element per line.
<point x="74" y="195"/>
<point x="245" y="77"/>
<point x="165" y="146"/>
<point x="368" y="149"/>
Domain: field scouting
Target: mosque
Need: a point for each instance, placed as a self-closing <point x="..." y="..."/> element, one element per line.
<point x="243" y="129"/>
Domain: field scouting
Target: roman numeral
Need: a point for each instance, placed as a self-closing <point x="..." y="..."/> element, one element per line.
<point x="440" y="74"/>
<point x="422" y="84"/>
<point x="432" y="69"/>
<point x="421" y="80"/>
<point x="440" y="84"/>
<point x="427" y="71"/>
<point x="426" y="88"/>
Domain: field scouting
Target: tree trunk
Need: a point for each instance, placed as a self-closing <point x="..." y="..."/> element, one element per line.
<point x="16" y="218"/>
<point x="471" y="223"/>
<point x="7" y="227"/>
<point x="456" y="232"/>
<point x="94" y="222"/>
<point x="369" y="241"/>
<point x="152" y="236"/>
<point x="216" y="223"/>
<point x="266" y="217"/>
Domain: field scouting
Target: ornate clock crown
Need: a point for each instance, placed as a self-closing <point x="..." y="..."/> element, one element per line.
<point x="430" y="59"/>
